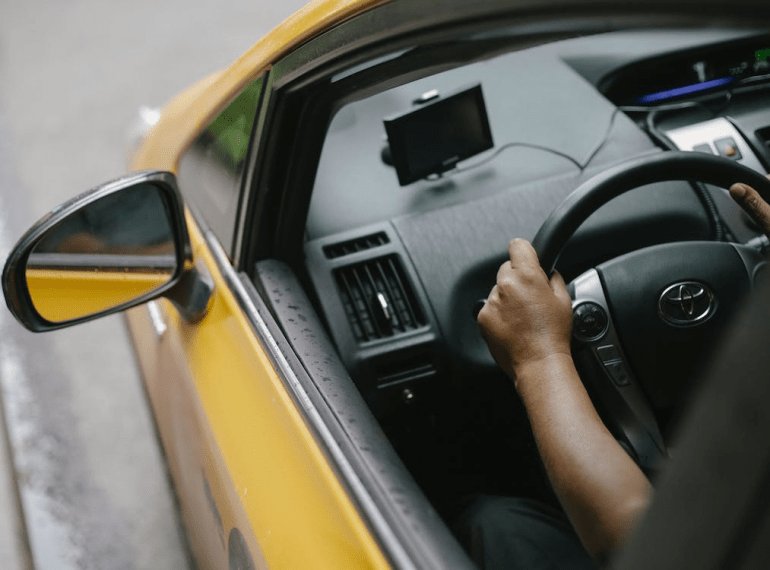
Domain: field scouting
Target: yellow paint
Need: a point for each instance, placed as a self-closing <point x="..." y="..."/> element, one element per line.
<point x="265" y="468"/>
<point x="62" y="295"/>
<point x="223" y="412"/>
<point x="281" y="475"/>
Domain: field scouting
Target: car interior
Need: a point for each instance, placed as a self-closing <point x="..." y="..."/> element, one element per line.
<point x="420" y="164"/>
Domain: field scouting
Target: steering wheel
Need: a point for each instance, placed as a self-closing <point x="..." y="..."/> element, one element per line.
<point x="643" y="322"/>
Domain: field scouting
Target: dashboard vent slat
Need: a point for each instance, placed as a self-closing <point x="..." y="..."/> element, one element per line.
<point x="404" y="307"/>
<point x="349" y="302"/>
<point x="391" y="293"/>
<point x="367" y="286"/>
<point x="335" y="250"/>
<point x="378" y="299"/>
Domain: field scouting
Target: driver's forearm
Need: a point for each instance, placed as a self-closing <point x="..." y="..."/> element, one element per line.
<point x="601" y="488"/>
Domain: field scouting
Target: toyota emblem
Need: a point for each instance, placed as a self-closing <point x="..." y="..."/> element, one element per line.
<point x="686" y="303"/>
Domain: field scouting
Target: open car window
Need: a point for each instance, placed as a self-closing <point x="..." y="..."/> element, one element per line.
<point x="393" y="269"/>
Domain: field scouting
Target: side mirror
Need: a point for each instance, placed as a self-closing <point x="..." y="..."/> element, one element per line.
<point x="111" y="248"/>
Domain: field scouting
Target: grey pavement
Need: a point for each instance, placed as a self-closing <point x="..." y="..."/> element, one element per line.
<point x="83" y="482"/>
<point x="14" y="548"/>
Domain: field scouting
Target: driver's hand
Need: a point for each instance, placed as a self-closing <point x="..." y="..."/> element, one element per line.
<point x="527" y="317"/>
<point x="753" y="204"/>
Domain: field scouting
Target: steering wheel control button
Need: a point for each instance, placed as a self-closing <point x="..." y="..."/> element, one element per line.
<point x="589" y="321"/>
<point x="727" y="148"/>
<point x="607" y="353"/>
<point x="618" y="372"/>
<point x="686" y="303"/>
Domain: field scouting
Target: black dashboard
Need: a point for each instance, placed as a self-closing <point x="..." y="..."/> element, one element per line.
<point x="396" y="270"/>
<point x="701" y="70"/>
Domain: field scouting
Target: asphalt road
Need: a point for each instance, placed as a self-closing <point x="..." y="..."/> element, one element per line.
<point x="92" y="481"/>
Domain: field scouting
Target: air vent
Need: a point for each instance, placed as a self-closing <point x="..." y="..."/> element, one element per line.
<point x="355" y="245"/>
<point x="378" y="299"/>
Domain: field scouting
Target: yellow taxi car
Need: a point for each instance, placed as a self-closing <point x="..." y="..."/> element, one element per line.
<point x="303" y="238"/>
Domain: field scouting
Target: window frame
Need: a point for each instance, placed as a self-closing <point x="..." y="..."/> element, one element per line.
<point x="195" y="190"/>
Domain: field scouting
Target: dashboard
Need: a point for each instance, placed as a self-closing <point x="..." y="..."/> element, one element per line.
<point x="397" y="268"/>
<point x="701" y="70"/>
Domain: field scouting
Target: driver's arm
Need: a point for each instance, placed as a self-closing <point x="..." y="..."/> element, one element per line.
<point x="527" y="323"/>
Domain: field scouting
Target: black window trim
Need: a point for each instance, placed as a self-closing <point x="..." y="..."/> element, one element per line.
<point x="242" y="182"/>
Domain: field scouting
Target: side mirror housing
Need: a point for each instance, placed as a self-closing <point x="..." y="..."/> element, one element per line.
<point x="109" y="249"/>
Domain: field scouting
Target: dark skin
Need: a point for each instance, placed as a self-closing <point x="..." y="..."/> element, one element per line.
<point x="527" y="323"/>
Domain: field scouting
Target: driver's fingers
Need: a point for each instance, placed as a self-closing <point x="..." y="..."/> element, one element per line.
<point x="523" y="255"/>
<point x="750" y="200"/>
<point x="559" y="287"/>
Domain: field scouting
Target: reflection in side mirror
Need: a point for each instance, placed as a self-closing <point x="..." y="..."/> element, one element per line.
<point x="112" y="248"/>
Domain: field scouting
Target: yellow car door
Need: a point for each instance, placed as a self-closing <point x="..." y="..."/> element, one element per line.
<point x="255" y="486"/>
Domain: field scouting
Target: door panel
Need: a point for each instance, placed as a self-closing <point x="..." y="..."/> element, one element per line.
<point x="229" y="425"/>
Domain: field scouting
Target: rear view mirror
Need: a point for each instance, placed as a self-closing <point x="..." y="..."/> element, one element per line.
<point x="114" y="247"/>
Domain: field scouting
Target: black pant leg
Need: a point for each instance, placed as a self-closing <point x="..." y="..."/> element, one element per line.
<point x="515" y="533"/>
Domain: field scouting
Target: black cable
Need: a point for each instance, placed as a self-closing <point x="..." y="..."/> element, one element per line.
<point x="712" y="212"/>
<point x="652" y="130"/>
<point x="701" y="192"/>
<point x="512" y="145"/>
<point x="581" y="166"/>
<point x="602" y="142"/>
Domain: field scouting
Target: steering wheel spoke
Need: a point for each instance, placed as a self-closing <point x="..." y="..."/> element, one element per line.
<point x="607" y="374"/>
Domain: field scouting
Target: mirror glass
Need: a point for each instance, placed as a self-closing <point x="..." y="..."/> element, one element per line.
<point x="109" y="252"/>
